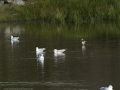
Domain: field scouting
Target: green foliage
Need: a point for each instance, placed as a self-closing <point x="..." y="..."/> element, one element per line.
<point x="72" y="10"/>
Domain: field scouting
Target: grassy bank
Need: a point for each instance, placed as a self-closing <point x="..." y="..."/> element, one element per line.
<point x="63" y="10"/>
<point x="6" y="13"/>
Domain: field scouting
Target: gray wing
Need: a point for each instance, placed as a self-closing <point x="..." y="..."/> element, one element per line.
<point x="42" y="48"/>
<point x="104" y="88"/>
<point x="61" y="50"/>
<point x="15" y="38"/>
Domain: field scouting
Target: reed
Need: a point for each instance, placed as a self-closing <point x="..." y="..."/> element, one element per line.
<point x="7" y="13"/>
<point x="68" y="10"/>
<point x="72" y="10"/>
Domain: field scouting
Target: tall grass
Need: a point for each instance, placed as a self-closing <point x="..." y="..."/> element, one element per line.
<point x="7" y="13"/>
<point x="72" y="10"/>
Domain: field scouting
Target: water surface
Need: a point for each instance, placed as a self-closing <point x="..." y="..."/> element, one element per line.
<point x="79" y="68"/>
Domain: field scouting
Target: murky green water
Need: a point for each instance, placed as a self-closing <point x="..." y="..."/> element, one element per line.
<point x="79" y="68"/>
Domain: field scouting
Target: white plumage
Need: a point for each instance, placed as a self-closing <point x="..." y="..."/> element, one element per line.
<point x="14" y="38"/>
<point x="110" y="87"/>
<point x="40" y="49"/>
<point x="83" y="42"/>
<point x="59" y="51"/>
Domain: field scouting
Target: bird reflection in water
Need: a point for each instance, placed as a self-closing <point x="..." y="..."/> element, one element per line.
<point x="14" y="42"/>
<point x="83" y="51"/>
<point x="39" y="53"/>
<point x="40" y="60"/>
<point x="40" y="66"/>
<point x="59" y="56"/>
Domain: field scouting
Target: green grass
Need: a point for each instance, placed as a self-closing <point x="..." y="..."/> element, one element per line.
<point x="8" y="13"/>
<point x="63" y="10"/>
<point x="72" y="10"/>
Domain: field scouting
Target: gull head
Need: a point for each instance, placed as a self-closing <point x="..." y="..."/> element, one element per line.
<point x="55" y="50"/>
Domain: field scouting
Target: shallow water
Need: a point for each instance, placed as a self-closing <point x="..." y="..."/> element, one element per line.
<point x="78" y="68"/>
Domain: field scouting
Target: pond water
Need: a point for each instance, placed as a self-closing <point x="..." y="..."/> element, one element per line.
<point x="78" y="68"/>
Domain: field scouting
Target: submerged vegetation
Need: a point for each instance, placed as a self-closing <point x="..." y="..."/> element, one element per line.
<point x="64" y="10"/>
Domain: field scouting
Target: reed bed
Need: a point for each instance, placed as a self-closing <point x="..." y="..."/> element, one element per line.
<point x="64" y="10"/>
<point x="72" y="10"/>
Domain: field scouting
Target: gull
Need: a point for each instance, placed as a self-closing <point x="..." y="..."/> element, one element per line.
<point x="14" y="38"/>
<point x="40" y="49"/>
<point x="83" y="42"/>
<point x="59" y="51"/>
<point x="110" y="87"/>
<point x="59" y="54"/>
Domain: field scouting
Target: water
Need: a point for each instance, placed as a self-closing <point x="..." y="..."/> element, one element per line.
<point x="79" y="68"/>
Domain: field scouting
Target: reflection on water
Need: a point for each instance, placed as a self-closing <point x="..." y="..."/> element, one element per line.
<point x="14" y="41"/>
<point x="83" y="51"/>
<point x="81" y="67"/>
<point x="59" y="56"/>
<point x="39" y="53"/>
<point x="40" y="68"/>
<point x="40" y="62"/>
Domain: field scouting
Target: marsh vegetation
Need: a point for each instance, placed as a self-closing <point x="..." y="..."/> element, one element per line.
<point x="63" y="10"/>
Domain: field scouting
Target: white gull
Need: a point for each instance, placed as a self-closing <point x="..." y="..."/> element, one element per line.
<point x="59" y="51"/>
<point x="40" y="49"/>
<point x="110" y="87"/>
<point x="14" y="38"/>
